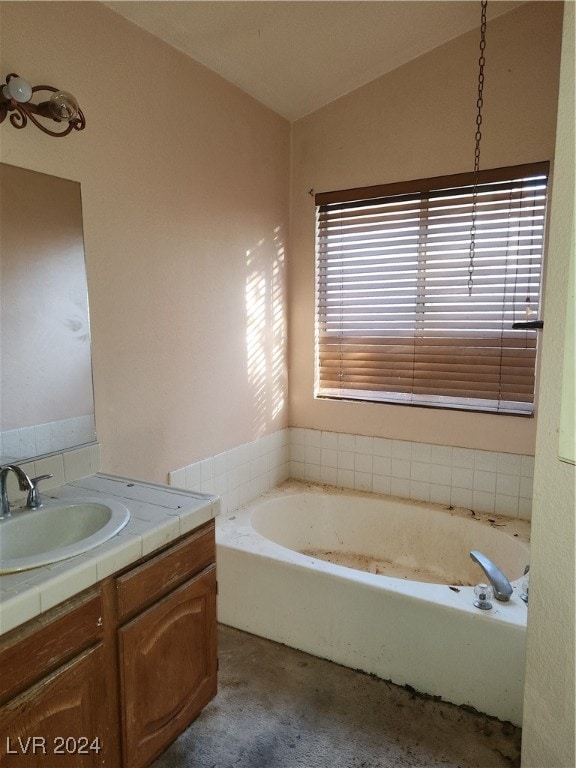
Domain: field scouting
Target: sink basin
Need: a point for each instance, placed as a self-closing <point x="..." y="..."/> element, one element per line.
<point x="59" y="529"/>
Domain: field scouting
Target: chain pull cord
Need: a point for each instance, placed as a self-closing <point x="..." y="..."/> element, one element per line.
<point x="477" y="137"/>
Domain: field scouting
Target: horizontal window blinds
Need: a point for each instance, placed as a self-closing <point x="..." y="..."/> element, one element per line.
<point x="395" y="321"/>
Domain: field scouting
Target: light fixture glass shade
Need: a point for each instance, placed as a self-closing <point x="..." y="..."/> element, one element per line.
<point x="18" y="89"/>
<point x="63" y="106"/>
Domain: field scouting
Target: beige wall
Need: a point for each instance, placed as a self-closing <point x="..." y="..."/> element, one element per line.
<point x="549" y="716"/>
<point x="416" y="122"/>
<point x="188" y="332"/>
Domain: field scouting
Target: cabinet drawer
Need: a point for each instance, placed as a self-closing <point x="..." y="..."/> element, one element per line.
<point x="145" y="584"/>
<point x="30" y="652"/>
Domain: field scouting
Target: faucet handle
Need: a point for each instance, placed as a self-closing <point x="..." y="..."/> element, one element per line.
<point x="34" y="499"/>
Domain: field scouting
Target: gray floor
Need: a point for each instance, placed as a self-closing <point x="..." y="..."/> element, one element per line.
<point x="281" y="708"/>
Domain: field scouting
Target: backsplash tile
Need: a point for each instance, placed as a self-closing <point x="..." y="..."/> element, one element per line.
<point x="65" y="467"/>
<point x="19" y="444"/>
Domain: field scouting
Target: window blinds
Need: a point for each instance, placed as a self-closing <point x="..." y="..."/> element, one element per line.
<point x="395" y="321"/>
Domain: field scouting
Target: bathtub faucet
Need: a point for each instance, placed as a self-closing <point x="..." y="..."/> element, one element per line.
<point x="500" y="584"/>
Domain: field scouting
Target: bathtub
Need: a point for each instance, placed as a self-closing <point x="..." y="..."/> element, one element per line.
<point x="380" y="584"/>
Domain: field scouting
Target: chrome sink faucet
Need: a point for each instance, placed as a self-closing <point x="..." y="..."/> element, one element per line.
<point x="500" y="584"/>
<point x="24" y="483"/>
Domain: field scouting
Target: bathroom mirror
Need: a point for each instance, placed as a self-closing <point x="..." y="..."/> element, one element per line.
<point x="46" y="393"/>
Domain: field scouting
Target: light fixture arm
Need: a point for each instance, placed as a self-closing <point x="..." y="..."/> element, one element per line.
<point x="60" y="108"/>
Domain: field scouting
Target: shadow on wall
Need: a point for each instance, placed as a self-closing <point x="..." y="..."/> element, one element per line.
<point x="266" y="330"/>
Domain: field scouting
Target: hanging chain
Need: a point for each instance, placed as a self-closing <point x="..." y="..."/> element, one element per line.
<point x="478" y="137"/>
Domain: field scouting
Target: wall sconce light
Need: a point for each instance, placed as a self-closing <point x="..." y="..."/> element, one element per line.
<point x="61" y="107"/>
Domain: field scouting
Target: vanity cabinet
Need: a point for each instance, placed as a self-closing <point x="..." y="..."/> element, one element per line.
<point x="56" y="674"/>
<point x="111" y="677"/>
<point x="167" y="646"/>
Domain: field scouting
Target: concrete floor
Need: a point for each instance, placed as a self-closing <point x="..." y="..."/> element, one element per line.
<point x="281" y="708"/>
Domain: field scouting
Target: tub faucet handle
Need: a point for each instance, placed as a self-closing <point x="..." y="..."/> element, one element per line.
<point x="525" y="585"/>
<point x="483" y="596"/>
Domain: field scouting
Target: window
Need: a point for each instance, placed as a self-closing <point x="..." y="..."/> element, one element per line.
<point x="395" y="321"/>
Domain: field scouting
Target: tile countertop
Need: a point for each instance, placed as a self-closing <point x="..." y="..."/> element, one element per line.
<point x="158" y="515"/>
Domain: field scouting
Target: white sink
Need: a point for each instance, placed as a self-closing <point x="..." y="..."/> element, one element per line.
<point x="59" y="529"/>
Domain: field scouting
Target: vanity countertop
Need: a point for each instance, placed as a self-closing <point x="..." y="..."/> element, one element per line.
<point x="158" y="515"/>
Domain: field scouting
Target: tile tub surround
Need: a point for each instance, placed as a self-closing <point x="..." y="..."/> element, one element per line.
<point x="241" y="473"/>
<point x="158" y="515"/>
<point x="486" y="481"/>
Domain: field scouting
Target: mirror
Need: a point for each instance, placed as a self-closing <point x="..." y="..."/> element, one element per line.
<point x="46" y="393"/>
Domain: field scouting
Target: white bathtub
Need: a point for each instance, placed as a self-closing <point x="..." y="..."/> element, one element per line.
<point x="417" y="626"/>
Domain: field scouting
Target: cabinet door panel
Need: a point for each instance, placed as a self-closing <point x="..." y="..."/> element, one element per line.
<point x="150" y="581"/>
<point x="65" y="720"/>
<point x="167" y="668"/>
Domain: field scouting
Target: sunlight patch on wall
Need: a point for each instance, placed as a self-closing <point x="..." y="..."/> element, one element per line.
<point x="266" y="329"/>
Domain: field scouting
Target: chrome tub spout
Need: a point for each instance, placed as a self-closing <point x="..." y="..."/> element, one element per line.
<point x="500" y="584"/>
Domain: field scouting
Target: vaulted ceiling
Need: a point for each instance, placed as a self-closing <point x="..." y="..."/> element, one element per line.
<point x="298" y="56"/>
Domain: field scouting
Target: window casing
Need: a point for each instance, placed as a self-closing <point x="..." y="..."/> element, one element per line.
<point x="394" y="318"/>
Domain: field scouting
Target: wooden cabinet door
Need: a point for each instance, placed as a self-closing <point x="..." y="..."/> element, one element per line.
<point x="64" y="720"/>
<point x="167" y="668"/>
